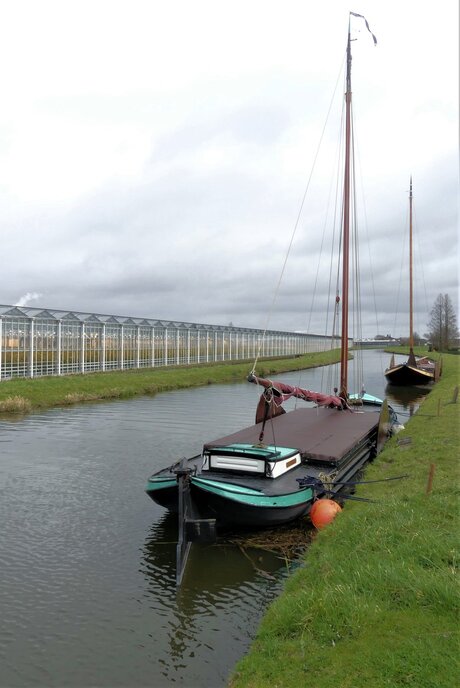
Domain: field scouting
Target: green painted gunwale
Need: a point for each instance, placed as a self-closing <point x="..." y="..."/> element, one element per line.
<point x="248" y="496"/>
<point x="159" y="483"/>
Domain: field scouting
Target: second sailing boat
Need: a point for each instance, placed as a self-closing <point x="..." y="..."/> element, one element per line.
<point x="412" y="372"/>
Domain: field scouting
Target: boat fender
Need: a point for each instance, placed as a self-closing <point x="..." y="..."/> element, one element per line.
<point x="323" y="512"/>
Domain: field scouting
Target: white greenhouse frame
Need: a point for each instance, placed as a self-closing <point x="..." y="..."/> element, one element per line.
<point x="37" y="342"/>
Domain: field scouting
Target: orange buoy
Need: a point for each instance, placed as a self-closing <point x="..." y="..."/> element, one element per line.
<point x="323" y="512"/>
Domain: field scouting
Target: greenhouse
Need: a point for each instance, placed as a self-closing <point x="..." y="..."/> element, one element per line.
<point x="36" y="342"/>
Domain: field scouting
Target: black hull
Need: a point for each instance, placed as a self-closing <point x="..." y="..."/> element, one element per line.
<point x="234" y="515"/>
<point x="166" y="497"/>
<point x="408" y="376"/>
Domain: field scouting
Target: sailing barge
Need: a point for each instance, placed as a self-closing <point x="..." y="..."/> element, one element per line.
<point x="271" y="472"/>
<point x="412" y="372"/>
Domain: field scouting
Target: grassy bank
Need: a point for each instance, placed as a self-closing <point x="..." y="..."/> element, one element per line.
<point x="376" y="603"/>
<point x="24" y="395"/>
<point x="418" y="351"/>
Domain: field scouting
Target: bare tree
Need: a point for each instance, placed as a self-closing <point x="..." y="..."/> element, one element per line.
<point x="443" y="323"/>
<point x="418" y="340"/>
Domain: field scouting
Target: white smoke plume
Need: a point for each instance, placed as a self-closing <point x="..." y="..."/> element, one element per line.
<point x="30" y="296"/>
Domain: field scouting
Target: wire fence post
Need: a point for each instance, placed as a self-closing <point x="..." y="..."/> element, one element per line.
<point x="430" y="479"/>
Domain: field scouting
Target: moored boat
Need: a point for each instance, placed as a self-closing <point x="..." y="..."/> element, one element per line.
<point x="412" y="372"/>
<point x="272" y="471"/>
<point x="244" y="481"/>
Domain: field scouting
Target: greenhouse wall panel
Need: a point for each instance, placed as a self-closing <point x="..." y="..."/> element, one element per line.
<point x="37" y="342"/>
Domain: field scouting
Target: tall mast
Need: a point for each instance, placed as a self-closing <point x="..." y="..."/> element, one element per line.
<point x="411" y="360"/>
<point x="346" y="231"/>
<point x="411" y="295"/>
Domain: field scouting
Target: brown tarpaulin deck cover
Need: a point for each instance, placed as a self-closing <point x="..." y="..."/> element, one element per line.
<point x="321" y="434"/>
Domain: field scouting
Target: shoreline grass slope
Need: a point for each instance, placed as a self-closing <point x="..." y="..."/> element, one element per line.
<point x="376" y="603"/>
<point x="22" y="395"/>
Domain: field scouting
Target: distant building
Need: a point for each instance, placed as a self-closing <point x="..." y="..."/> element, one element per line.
<point x="377" y="343"/>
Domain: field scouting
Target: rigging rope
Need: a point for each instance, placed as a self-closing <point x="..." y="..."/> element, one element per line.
<point x="335" y="335"/>
<point x="403" y="259"/>
<point x="295" y="227"/>
<point x="371" y="267"/>
<point x="358" y="368"/>
<point x="418" y="256"/>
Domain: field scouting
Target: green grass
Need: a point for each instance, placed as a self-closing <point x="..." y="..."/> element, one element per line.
<point x="377" y="603"/>
<point x="23" y="395"/>
<point x="418" y="351"/>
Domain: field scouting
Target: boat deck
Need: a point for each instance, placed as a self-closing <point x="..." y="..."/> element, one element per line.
<point x="332" y="443"/>
<point x="321" y="435"/>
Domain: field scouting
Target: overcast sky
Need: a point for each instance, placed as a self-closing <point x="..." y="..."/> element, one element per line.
<point x="154" y="156"/>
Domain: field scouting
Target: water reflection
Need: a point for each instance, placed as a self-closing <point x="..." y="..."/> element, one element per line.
<point x="406" y="398"/>
<point x="224" y="592"/>
<point x="218" y="570"/>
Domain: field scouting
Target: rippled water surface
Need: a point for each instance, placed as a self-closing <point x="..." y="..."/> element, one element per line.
<point x="87" y="560"/>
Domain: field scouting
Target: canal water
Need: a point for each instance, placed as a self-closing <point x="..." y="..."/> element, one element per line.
<point x="87" y="560"/>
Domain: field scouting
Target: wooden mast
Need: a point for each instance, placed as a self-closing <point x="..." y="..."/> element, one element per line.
<point x="411" y="295"/>
<point x="346" y="231"/>
<point x="411" y="360"/>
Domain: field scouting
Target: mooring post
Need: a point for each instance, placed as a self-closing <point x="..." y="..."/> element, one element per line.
<point x="183" y="544"/>
<point x="191" y="528"/>
<point x="430" y="479"/>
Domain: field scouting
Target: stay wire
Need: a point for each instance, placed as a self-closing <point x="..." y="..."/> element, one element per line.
<point x="419" y="261"/>
<point x="335" y="177"/>
<point x="339" y="181"/>
<point x="404" y="259"/>
<point x="270" y="312"/>
<point x="371" y="268"/>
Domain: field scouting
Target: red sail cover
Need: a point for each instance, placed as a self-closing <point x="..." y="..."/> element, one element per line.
<point x="282" y="392"/>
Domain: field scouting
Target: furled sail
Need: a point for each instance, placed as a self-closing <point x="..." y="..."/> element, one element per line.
<point x="275" y="393"/>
